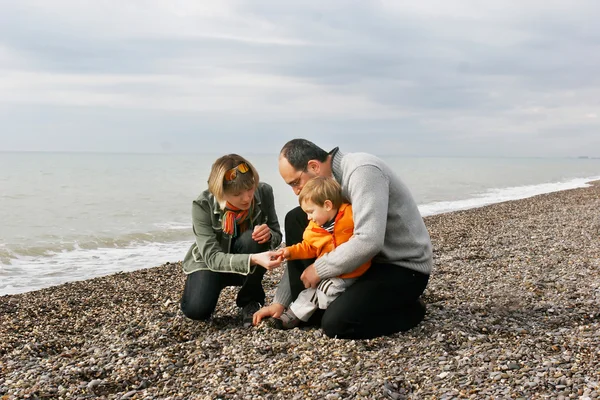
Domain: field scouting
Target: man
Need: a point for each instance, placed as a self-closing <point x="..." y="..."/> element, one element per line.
<point x="388" y="229"/>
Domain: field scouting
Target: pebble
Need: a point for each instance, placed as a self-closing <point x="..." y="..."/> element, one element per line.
<point x="512" y="312"/>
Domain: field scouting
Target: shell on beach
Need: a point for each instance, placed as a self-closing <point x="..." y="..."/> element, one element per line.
<point x="513" y="311"/>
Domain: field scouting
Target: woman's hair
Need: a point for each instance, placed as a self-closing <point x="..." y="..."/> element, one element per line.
<point x="322" y="188"/>
<point x="298" y="152"/>
<point x="227" y="176"/>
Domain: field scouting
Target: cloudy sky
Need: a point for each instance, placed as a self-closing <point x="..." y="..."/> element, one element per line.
<point x="455" y="78"/>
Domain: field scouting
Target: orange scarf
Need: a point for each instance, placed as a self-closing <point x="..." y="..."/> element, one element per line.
<point x="235" y="220"/>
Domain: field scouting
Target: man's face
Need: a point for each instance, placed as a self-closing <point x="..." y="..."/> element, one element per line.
<point x="296" y="179"/>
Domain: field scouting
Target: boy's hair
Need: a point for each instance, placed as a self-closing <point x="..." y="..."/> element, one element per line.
<point x="322" y="188"/>
<point x="298" y="152"/>
<point x="227" y="176"/>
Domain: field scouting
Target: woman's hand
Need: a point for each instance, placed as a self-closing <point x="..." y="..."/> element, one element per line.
<point x="267" y="259"/>
<point x="274" y="310"/>
<point x="261" y="233"/>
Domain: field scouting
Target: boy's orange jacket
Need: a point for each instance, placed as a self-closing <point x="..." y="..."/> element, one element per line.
<point x="316" y="241"/>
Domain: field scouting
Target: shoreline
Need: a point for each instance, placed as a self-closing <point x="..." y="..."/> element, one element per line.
<point x="429" y="209"/>
<point x="512" y="312"/>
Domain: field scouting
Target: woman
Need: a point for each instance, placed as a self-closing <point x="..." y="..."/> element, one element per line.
<point x="236" y="226"/>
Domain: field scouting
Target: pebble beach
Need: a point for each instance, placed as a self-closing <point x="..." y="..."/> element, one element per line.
<point x="513" y="312"/>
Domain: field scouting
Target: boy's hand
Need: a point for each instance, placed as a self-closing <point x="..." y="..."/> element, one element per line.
<point x="284" y="253"/>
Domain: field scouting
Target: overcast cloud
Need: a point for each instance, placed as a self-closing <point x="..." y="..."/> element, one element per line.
<point x="456" y="78"/>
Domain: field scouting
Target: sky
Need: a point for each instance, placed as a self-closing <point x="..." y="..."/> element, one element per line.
<point x="417" y="78"/>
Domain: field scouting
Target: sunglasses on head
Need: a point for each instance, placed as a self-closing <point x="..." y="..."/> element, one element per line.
<point x="232" y="173"/>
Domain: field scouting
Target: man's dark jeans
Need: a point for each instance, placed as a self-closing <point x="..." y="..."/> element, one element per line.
<point x="383" y="301"/>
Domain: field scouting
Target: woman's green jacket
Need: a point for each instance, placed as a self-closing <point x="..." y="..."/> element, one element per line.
<point x="211" y="250"/>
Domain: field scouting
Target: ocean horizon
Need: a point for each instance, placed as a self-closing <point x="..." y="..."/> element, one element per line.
<point x="71" y="216"/>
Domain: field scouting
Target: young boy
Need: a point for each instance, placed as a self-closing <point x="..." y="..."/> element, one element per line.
<point x="330" y="225"/>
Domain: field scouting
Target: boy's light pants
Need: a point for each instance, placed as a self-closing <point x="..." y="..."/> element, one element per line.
<point x="310" y="299"/>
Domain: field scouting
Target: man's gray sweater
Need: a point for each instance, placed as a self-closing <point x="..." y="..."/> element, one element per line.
<point x="388" y="227"/>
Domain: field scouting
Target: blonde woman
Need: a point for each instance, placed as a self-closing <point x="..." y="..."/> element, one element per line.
<point x="236" y="228"/>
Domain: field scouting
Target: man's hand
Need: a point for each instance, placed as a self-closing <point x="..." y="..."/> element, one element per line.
<point x="261" y="233"/>
<point x="274" y="310"/>
<point x="309" y="277"/>
<point x="267" y="259"/>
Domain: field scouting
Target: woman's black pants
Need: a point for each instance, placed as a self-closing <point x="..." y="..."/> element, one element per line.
<point x="202" y="288"/>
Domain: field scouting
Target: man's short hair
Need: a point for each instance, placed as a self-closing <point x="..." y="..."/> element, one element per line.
<point x="298" y="152"/>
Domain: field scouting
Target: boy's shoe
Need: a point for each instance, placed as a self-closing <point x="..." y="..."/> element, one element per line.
<point x="287" y="320"/>
<point x="248" y="312"/>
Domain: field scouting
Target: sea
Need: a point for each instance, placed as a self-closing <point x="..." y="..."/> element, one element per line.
<point x="73" y="216"/>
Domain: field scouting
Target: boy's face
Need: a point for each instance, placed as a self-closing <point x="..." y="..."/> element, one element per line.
<point x="319" y="214"/>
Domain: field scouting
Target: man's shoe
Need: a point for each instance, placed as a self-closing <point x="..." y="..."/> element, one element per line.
<point x="248" y="313"/>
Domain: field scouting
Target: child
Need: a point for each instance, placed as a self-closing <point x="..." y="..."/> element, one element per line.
<point x="330" y="225"/>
